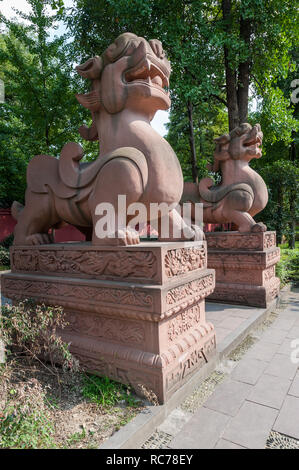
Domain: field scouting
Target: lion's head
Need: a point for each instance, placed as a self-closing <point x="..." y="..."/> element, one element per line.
<point x="242" y="143"/>
<point x="132" y="73"/>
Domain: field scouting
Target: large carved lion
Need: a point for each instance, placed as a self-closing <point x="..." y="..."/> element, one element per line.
<point x="242" y="193"/>
<point x="129" y="83"/>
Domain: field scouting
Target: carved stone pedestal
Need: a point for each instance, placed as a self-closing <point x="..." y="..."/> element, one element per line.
<point x="245" y="267"/>
<point x="136" y="314"/>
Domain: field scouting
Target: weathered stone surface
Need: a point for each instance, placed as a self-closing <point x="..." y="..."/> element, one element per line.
<point x="287" y="421"/>
<point x="146" y="263"/>
<point x="245" y="267"/>
<point x="129" y="84"/>
<point x="258" y="241"/>
<point x="148" y="332"/>
<point x="241" y="193"/>
<point x="251" y="426"/>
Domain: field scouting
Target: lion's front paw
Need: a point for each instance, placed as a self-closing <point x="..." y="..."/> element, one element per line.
<point x="198" y="233"/>
<point x="193" y="233"/>
<point x="122" y="237"/>
<point x="128" y="236"/>
<point x="259" y="227"/>
<point x="39" y="239"/>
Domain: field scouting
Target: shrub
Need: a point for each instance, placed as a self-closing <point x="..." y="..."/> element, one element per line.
<point x="8" y="241"/>
<point x="32" y="329"/>
<point x="288" y="268"/>
<point x="24" y="419"/>
<point x="4" y="257"/>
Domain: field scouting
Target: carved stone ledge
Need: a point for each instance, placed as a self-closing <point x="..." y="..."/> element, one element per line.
<point x="135" y="314"/>
<point x="257" y="241"/>
<point x="245" y="267"/>
<point x="252" y="295"/>
<point x="149" y="262"/>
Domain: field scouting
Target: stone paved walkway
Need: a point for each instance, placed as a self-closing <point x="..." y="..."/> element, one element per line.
<point x="227" y="318"/>
<point x="252" y="401"/>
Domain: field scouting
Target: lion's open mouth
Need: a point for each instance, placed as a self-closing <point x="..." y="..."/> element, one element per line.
<point x="254" y="143"/>
<point x="149" y="73"/>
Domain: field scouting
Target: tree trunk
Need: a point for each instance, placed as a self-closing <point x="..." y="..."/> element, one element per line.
<point x="293" y="198"/>
<point x="279" y="213"/>
<point x="230" y="74"/>
<point x="292" y="237"/>
<point x="192" y="143"/>
<point x="292" y="150"/>
<point x="244" y="70"/>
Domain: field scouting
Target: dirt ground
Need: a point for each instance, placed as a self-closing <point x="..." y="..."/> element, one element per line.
<point x="78" y="422"/>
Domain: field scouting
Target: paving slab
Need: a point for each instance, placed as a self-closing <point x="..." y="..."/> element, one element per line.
<point x="224" y="444"/>
<point x="228" y="397"/>
<point x="231" y="322"/>
<point x="270" y="391"/>
<point x="202" y="431"/>
<point x="286" y="347"/>
<point x="293" y="333"/>
<point x="284" y="324"/>
<point x="221" y="334"/>
<point x="241" y="313"/>
<point x="282" y="366"/>
<point x="175" y="421"/>
<point x="274" y="335"/>
<point x="208" y="426"/>
<point x="262" y="351"/>
<point x="287" y="421"/>
<point x="294" y="388"/>
<point x="251" y="426"/>
<point x="249" y="370"/>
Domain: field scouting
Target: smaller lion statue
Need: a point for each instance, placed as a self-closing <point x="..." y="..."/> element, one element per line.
<point x="242" y="193"/>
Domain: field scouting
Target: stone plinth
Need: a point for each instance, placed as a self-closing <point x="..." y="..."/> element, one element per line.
<point x="245" y="267"/>
<point x="136" y="314"/>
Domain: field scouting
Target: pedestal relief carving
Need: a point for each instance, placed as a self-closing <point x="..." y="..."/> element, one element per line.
<point x="245" y="267"/>
<point x="136" y="317"/>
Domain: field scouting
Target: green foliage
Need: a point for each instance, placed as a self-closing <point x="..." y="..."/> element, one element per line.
<point x="40" y="113"/>
<point x="207" y="126"/>
<point x="7" y="242"/>
<point x="76" y="437"/>
<point x="106" y="392"/>
<point x="4" y="257"/>
<point x="32" y="329"/>
<point x="282" y="179"/>
<point x="187" y="32"/>
<point x="194" y="36"/>
<point x="288" y="267"/>
<point x="24" y="420"/>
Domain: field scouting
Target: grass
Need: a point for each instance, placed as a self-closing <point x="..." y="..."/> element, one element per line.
<point x="106" y="392"/>
<point x="24" y="420"/>
<point x="44" y="405"/>
<point x="4" y="268"/>
<point x="288" y="267"/>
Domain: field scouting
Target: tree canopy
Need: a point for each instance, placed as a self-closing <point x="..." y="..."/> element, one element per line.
<point x="40" y="113"/>
<point x="232" y="61"/>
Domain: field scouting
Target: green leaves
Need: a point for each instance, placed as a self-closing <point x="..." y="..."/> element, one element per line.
<point x="40" y="113"/>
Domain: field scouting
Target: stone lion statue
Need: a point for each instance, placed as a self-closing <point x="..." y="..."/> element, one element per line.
<point x="242" y="193"/>
<point x="129" y="83"/>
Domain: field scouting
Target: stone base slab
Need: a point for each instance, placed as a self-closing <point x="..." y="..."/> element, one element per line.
<point x="151" y="334"/>
<point x="149" y="262"/>
<point x="245" y="267"/>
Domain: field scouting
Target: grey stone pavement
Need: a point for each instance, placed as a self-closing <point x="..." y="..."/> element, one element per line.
<point x="252" y="400"/>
